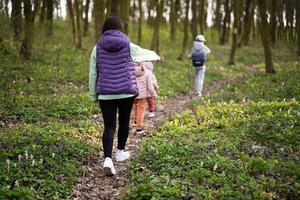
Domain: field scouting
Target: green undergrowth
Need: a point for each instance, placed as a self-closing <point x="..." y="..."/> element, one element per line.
<point x="240" y="143"/>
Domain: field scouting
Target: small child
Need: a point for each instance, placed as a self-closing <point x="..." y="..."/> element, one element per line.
<point x="150" y="99"/>
<point x="146" y="88"/>
<point x="198" y="54"/>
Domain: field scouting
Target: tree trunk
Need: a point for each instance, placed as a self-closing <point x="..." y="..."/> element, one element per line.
<point x="234" y="32"/>
<point x="201" y="18"/>
<point x="247" y="22"/>
<point x="49" y="17"/>
<point x="115" y="7"/>
<point x="185" y="35"/>
<point x="298" y="25"/>
<point x="265" y="32"/>
<point x="225" y="20"/>
<point x="26" y="46"/>
<point x="16" y="17"/>
<point x="99" y="7"/>
<point x="273" y="20"/>
<point x="43" y="11"/>
<point x="140" y="21"/>
<point x="78" y="24"/>
<point x="155" y="38"/>
<point x="71" y="16"/>
<point x="108" y="5"/>
<point x="218" y="16"/>
<point x="173" y="20"/>
<point x="86" y="17"/>
<point x="124" y="13"/>
<point x="194" y="27"/>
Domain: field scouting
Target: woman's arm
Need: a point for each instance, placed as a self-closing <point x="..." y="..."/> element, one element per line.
<point x="93" y="76"/>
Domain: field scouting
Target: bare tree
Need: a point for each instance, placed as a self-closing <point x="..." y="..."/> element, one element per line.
<point x="115" y="7"/>
<point x="226" y="22"/>
<point x="99" y="7"/>
<point x="86" y="17"/>
<point x="16" y="18"/>
<point x="124" y="13"/>
<point x="71" y="16"/>
<point x="155" y="37"/>
<point x="234" y="32"/>
<point x="173" y="20"/>
<point x="49" y="16"/>
<point x="185" y="34"/>
<point x="298" y="25"/>
<point x="194" y="27"/>
<point x="265" y="32"/>
<point x="140" y="21"/>
<point x="78" y="23"/>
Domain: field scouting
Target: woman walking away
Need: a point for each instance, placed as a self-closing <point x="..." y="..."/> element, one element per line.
<point x="198" y="54"/>
<point x="146" y="88"/>
<point x="112" y="81"/>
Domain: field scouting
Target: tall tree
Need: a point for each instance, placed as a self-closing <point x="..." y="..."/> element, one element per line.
<point x="226" y="22"/>
<point x="27" y="42"/>
<point x="173" y="20"/>
<point x="49" y="16"/>
<point x="78" y="23"/>
<point x="72" y="19"/>
<point x="16" y="17"/>
<point x="273" y="20"/>
<point x="298" y="25"/>
<point x="115" y="7"/>
<point x="265" y="32"/>
<point x="99" y="7"/>
<point x="124" y="13"/>
<point x="86" y="17"/>
<point x="202" y="17"/>
<point x="194" y="24"/>
<point x="108" y="5"/>
<point x="155" y="37"/>
<point x="217" y="23"/>
<point x="185" y="29"/>
<point x="247" y="22"/>
<point x="235" y="31"/>
<point x="141" y="13"/>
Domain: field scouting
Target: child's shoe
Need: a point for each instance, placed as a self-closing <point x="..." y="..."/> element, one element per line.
<point x="199" y="94"/>
<point x="140" y="130"/>
<point x="151" y="114"/>
<point x="108" y="167"/>
<point x="122" y="155"/>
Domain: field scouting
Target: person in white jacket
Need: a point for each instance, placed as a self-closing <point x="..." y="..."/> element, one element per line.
<point x="198" y="54"/>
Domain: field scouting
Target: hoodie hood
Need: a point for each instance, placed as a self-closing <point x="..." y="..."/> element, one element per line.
<point x="197" y="46"/>
<point x="113" y="40"/>
<point x="148" y="66"/>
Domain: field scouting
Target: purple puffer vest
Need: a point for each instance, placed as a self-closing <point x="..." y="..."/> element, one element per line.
<point x="116" y="74"/>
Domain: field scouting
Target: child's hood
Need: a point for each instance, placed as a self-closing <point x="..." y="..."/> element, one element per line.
<point x="140" y="71"/>
<point x="197" y="46"/>
<point x="148" y="66"/>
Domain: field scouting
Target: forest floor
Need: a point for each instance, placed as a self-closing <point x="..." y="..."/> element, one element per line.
<point x="95" y="185"/>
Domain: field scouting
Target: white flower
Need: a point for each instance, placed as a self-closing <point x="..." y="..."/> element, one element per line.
<point x="17" y="183"/>
<point x="53" y="154"/>
<point x="8" y="163"/>
<point x="215" y="167"/>
<point x="32" y="162"/>
<point x="31" y="156"/>
<point x="201" y="164"/>
<point x="26" y="155"/>
<point x="20" y="157"/>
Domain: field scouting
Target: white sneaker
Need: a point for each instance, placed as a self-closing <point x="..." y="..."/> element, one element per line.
<point x="122" y="155"/>
<point x="199" y="94"/>
<point x="151" y="114"/>
<point x="108" y="167"/>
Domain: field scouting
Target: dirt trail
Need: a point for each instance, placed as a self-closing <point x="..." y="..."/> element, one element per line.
<point x="95" y="185"/>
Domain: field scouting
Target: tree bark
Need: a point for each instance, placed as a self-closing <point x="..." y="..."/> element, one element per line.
<point x="71" y="16"/>
<point x="99" y="7"/>
<point x="218" y="16"/>
<point x="247" y="22"/>
<point x="16" y="17"/>
<point x="265" y="32"/>
<point x="124" y="13"/>
<point x="201" y="18"/>
<point x="225" y="21"/>
<point x="234" y="32"/>
<point x="186" y="34"/>
<point x="298" y="25"/>
<point x="43" y="11"/>
<point x="78" y="24"/>
<point x="108" y="5"/>
<point x="194" y="27"/>
<point x="140" y="21"/>
<point x="173" y="20"/>
<point x="86" y="17"/>
<point x="49" y="16"/>
<point x="115" y="7"/>
<point x="27" y="42"/>
<point x="273" y="20"/>
<point x="155" y="38"/>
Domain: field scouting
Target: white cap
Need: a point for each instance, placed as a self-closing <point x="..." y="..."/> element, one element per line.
<point x="200" y="38"/>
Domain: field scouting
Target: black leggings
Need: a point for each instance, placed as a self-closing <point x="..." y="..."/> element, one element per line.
<point x="109" y="112"/>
